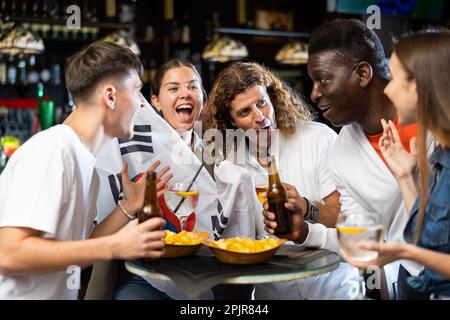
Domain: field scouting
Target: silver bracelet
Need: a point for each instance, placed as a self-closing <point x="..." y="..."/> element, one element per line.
<point x="130" y="217"/>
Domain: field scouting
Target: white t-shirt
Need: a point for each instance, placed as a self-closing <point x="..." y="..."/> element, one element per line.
<point x="302" y="161"/>
<point x="49" y="185"/>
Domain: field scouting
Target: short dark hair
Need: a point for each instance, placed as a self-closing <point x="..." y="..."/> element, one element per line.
<point x="172" y="64"/>
<point x="91" y="65"/>
<point x="352" y="41"/>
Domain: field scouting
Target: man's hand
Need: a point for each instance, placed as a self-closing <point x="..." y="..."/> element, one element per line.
<point x="144" y="240"/>
<point x="297" y="207"/>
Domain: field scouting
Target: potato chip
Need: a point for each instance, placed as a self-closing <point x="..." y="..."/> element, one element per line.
<point x="245" y="244"/>
<point x="185" y="238"/>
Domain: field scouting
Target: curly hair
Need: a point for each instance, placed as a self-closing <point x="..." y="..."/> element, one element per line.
<point x="290" y="109"/>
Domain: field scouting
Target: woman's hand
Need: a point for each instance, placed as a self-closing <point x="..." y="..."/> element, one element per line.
<point x="387" y="253"/>
<point x="401" y="163"/>
<point x="297" y="208"/>
<point x="133" y="192"/>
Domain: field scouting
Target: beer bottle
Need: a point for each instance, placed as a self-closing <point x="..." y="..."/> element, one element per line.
<point x="150" y="208"/>
<point x="276" y="198"/>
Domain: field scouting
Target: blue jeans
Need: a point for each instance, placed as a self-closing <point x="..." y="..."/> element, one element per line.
<point x="137" y="288"/>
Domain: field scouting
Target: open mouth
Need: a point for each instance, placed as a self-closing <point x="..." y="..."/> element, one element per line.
<point x="185" y="112"/>
<point x="325" y="109"/>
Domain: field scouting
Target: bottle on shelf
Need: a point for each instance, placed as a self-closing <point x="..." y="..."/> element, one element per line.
<point x="46" y="109"/>
<point x="13" y="10"/>
<point x="149" y="34"/>
<point x="12" y="71"/>
<point x="21" y="70"/>
<point x="45" y="75"/>
<point x="56" y="74"/>
<point x="24" y="8"/>
<point x="3" y="70"/>
<point x="4" y="10"/>
<point x="175" y="33"/>
<point x="54" y="10"/>
<point x="86" y="11"/>
<point x="63" y="11"/>
<point x="94" y="11"/>
<point x="185" y="30"/>
<point x="33" y="75"/>
<point x="44" y="14"/>
<point x="211" y="26"/>
<point x="110" y="10"/>
<point x="35" y="9"/>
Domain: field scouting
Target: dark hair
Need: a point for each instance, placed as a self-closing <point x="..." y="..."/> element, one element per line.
<point x="425" y="57"/>
<point x="290" y="109"/>
<point x="352" y="41"/>
<point x="172" y="64"/>
<point x="98" y="61"/>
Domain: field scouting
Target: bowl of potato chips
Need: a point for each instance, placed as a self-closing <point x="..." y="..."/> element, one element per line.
<point x="244" y="250"/>
<point x="184" y="243"/>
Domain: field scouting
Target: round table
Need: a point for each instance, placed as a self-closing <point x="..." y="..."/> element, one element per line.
<point x="313" y="268"/>
<point x="203" y="271"/>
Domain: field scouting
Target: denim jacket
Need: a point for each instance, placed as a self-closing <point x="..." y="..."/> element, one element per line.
<point x="435" y="234"/>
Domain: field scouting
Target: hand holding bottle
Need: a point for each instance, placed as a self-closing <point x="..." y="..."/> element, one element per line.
<point x="296" y="208"/>
<point x="139" y="240"/>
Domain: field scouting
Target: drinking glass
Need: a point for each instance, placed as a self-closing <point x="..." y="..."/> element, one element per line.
<point x="260" y="188"/>
<point x="354" y="228"/>
<point x="182" y="199"/>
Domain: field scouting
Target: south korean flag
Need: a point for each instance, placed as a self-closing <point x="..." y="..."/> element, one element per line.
<point x="227" y="205"/>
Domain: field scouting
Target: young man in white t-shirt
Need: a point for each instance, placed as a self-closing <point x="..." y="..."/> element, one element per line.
<point x="49" y="188"/>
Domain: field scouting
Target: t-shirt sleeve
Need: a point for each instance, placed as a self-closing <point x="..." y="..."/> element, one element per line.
<point x="325" y="178"/>
<point x="36" y="189"/>
<point x="346" y="200"/>
<point x="321" y="237"/>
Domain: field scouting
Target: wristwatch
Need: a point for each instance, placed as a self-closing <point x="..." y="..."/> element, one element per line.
<point x="312" y="212"/>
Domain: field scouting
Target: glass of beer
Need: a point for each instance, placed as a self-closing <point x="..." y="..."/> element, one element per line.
<point x="260" y="189"/>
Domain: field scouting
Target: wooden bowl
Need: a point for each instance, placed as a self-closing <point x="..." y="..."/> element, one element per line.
<point x="233" y="257"/>
<point x="179" y="250"/>
<point x="174" y="250"/>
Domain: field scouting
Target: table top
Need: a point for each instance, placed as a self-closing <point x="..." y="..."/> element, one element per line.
<point x="203" y="270"/>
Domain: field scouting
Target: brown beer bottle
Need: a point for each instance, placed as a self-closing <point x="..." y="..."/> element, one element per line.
<point x="276" y="198"/>
<point x="150" y="208"/>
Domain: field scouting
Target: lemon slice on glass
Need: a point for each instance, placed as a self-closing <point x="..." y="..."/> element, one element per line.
<point x="187" y="193"/>
<point x="351" y="230"/>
